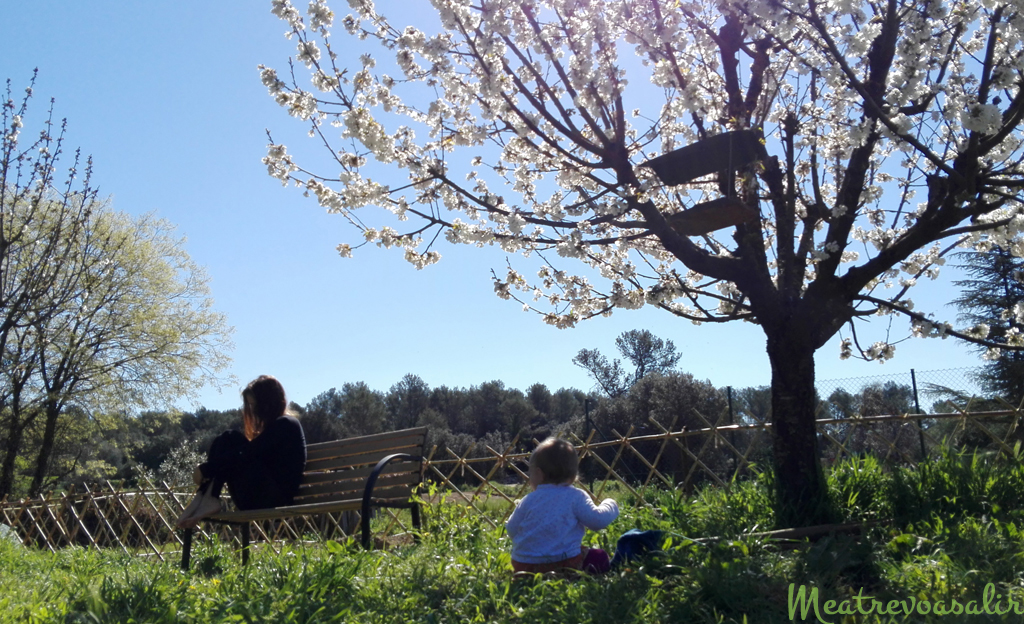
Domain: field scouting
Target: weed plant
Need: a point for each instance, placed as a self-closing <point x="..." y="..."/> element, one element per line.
<point x="949" y="529"/>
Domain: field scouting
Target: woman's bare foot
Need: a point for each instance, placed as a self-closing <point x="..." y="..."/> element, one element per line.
<point x="205" y="506"/>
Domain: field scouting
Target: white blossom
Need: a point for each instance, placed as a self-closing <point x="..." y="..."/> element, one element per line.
<point x="1014" y="337"/>
<point x="279" y="163"/>
<point x="320" y="16"/>
<point x="980" y="331"/>
<point x="880" y="351"/>
<point x="286" y="11"/>
<point x="270" y="80"/>
<point x="308" y="52"/>
<point x="845" y="349"/>
<point x="419" y="260"/>
<point x="982" y="118"/>
<point x="323" y="82"/>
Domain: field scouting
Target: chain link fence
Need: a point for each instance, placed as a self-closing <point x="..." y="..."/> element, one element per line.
<point x="857" y="405"/>
<point x="915" y="392"/>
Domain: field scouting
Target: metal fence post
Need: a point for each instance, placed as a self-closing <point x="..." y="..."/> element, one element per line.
<point x="917" y="406"/>
<point x="732" y="421"/>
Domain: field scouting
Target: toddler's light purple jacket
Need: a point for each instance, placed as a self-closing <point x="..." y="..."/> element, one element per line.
<point x="548" y="525"/>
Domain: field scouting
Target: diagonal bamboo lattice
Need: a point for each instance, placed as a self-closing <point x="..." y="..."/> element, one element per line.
<point x="140" y="520"/>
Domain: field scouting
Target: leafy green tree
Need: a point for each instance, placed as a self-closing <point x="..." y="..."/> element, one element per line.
<point x="406" y="401"/>
<point x="645" y="351"/>
<point x="540" y="398"/>
<point x="483" y="408"/>
<point x="146" y="439"/>
<point x="180" y="463"/>
<point x="567" y="404"/>
<point x="321" y="417"/>
<point x="608" y="375"/>
<point x="842" y="404"/>
<point x="519" y="417"/>
<point x="99" y="309"/>
<point x="206" y="424"/>
<point x="674" y="400"/>
<point x="434" y="421"/>
<point x="450" y="403"/>
<point x="753" y="404"/>
<point x="140" y="331"/>
<point x="363" y="411"/>
<point x="42" y="220"/>
<point x="995" y="285"/>
<point x="877" y="399"/>
<point x="883" y="399"/>
<point x="73" y="454"/>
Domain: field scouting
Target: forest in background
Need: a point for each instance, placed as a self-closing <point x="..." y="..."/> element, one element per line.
<point x="166" y="445"/>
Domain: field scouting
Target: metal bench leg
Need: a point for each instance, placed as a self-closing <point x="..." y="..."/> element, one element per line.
<point x="245" y="544"/>
<point x="186" y="549"/>
<point x="364" y="524"/>
<point x="416" y="520"/>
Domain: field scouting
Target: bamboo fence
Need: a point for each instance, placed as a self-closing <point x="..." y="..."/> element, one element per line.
<point x="140" y="520"/>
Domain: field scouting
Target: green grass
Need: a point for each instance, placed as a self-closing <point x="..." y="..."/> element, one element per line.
<point x="949" y="529"/>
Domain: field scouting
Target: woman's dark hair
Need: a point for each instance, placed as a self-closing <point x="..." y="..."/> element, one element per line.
<point x="264" y="402"/>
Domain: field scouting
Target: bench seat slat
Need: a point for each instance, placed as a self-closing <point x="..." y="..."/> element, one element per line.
<point x="356" y="474"/>
<point x="304" y="510"/>
<point x="399" y="491"/>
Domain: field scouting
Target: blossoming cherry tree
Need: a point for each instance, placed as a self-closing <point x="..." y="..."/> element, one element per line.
<point x="888" y="134"/>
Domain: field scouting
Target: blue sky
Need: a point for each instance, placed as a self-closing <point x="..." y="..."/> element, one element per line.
<point x="167" y="99"/>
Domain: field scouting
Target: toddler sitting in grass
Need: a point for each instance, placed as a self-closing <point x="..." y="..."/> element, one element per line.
<point x="548" y="525"/>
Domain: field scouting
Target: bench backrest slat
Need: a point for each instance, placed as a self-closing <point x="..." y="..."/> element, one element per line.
<point x="358" y="475"/>
<point x="364" y="444"/>
<point x="338" y="470"/>
<point x="373" y="437"/>
<point x="355" y="462"/>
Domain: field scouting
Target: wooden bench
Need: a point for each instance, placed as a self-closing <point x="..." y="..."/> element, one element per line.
<point x="358" y="473"/>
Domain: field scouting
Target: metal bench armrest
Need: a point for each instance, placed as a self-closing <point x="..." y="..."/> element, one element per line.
<point x="368" y="491"/>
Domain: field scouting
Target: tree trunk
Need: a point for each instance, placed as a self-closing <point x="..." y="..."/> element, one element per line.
<point x="11" y="448"/>
<point x="801" y="493"/>
<point x="46" y="449"/>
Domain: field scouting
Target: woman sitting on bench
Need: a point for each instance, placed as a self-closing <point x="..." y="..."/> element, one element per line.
<point x="261" y="467"/>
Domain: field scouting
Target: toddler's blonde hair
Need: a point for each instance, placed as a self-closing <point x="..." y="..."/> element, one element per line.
<point x="557" y="459"/>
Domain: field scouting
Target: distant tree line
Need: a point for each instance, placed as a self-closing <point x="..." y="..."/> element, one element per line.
<point x="166" y="445"/>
